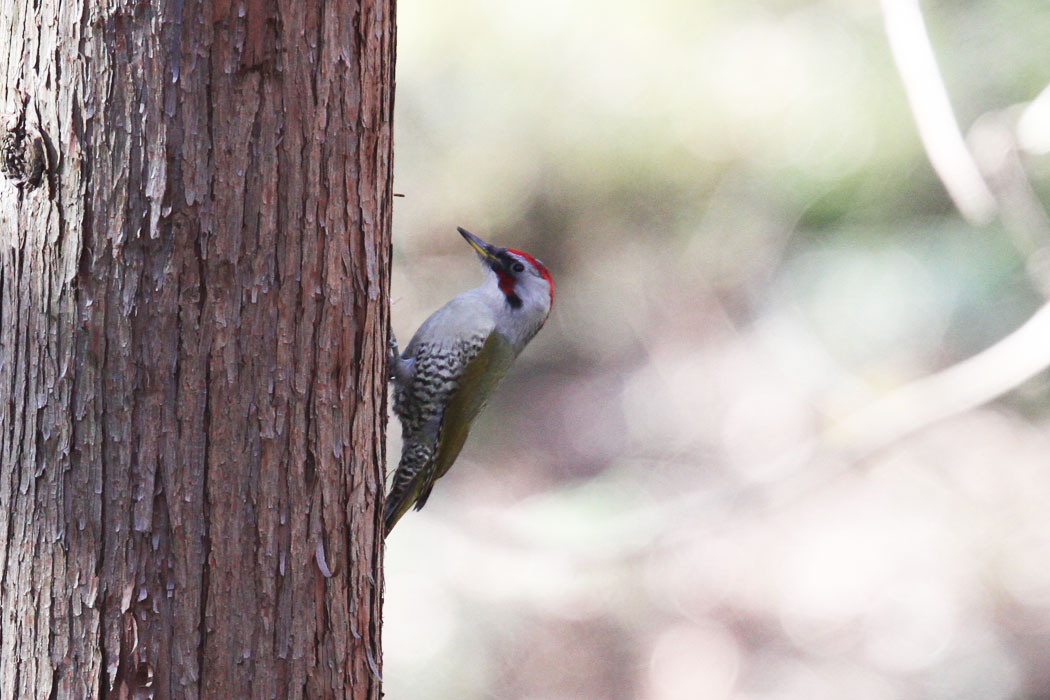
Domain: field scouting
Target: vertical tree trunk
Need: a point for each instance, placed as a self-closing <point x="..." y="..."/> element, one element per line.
<point x="192" y="330"/>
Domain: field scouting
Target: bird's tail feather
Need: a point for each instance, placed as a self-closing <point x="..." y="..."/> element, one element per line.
<point x="409" y="483"/>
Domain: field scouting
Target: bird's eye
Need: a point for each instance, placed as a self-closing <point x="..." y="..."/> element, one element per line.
<point x="518" y="267"/>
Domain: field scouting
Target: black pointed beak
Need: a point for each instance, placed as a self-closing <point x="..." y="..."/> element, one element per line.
<point x="489" y="254"/>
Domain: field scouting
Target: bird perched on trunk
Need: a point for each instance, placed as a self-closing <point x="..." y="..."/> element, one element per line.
<point x="454" y="362"/>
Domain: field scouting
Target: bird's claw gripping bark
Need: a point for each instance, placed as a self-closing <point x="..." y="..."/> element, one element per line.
<point x="400" y="369"/>
<point x="394" y="356"/>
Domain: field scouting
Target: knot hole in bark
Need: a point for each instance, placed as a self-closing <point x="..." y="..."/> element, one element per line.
<point x="23" y="154"/>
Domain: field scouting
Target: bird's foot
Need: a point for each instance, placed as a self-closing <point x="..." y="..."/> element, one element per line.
<point x="400" y="369"/>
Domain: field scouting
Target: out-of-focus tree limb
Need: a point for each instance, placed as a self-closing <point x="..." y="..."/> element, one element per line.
<point x="1033" y="126"/>
<point x="989" y="179"/>
<point x="975" y="381"/>
<point x="934" y="118"/>
<point x="996" y="140"/>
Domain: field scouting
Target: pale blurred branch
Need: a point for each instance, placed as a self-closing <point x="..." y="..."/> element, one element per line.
<point x="991" y="179"/>
<point x="1033" y="127"/>
<point x="996" y="140"/>
<point x="934" y="118"/>
<point x="973" y="382"/>
<point x="812" y="463"/>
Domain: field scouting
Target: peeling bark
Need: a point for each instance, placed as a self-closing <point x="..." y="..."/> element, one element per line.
<point x="192" y="336"/>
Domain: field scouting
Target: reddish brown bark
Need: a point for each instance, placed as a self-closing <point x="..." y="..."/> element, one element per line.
<point x="193" y="313"/>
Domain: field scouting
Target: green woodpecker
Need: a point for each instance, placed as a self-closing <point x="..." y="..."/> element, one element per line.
<point x="454" y="362"/>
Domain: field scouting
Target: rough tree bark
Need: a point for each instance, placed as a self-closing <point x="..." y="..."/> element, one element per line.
<point x="192" y="329"/>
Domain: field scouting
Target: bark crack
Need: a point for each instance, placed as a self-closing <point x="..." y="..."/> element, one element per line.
<point x="206" y="517"/>
<point x="11" y="415"/>
<point x="202" y="624"/>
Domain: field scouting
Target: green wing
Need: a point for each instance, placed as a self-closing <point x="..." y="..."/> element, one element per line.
<point x="478" y="381"/>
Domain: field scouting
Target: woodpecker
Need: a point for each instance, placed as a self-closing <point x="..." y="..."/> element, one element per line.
<point x="454" y="362"/>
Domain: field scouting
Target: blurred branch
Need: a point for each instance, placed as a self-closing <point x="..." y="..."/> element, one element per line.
<point x="985" y="376"/>
<point x="934" y="118"/>
<point x="996" y="139"/>
<point x="812" y="463"/>
<point x="991" y="179"/>
<point x="1033" y="127"/>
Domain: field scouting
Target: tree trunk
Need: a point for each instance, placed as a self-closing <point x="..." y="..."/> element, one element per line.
<point x="193" y="323"/>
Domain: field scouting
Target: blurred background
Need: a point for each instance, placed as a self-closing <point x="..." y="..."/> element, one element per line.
<point x="785" y="435"/>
